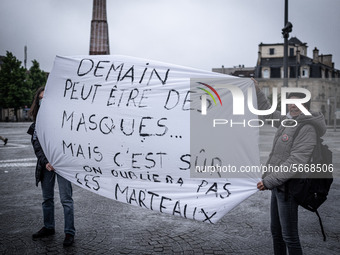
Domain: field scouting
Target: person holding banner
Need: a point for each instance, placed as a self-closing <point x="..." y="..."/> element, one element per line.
<point x="45" y="174"/>
<point x="286" y="152"/>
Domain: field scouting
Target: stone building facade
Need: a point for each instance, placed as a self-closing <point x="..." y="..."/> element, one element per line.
<point x="270" y="62"/>
<point x="239" y="71"/>
<point x="317" y="74"/>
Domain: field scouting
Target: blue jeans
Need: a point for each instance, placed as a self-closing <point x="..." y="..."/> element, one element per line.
<point x="65" y="191"/>
<point x="284" y="224"/>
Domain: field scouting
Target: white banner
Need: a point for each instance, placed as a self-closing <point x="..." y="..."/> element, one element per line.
<point x="120" y="127"/>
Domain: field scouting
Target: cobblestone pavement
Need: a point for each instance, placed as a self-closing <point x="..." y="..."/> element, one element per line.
<point x="105" y="226"/>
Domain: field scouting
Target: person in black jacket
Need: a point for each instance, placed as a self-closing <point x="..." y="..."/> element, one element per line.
<point x="45" y="174"/>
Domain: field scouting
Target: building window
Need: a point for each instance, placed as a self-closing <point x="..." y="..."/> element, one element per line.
<point x="322" y="73"/>
<point x="271" y="51"/>
<point x="291" y="52"/>
<point x="292" y="72"/>
<point x="265" y="73"/>
<point x="305" y="72"/>
<point x="275" y="72"/>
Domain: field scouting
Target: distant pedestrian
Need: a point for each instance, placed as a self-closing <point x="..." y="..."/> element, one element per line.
<point x="4" y="139"/>
<point x="287" y="152"/>
<point x="45" y="174"/>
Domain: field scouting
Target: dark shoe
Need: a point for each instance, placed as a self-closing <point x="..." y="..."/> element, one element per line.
<point x="69" y="240"/>
<point x="6" y="140"/>
<point x="44" y="232"/>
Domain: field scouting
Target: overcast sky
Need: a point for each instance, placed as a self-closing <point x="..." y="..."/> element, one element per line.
<point x="196" y="33"/>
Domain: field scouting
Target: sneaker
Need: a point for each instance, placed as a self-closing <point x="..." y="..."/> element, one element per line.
<point x="44" y="232"/>
<point x="69" y="240"/>
<point x="5" y="141"/>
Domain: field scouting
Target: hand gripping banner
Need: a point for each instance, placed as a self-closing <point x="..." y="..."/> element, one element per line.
<point x="123" y="128"/>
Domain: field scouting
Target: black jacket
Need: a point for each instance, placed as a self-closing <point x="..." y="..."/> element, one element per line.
<point x="42" y="160"/>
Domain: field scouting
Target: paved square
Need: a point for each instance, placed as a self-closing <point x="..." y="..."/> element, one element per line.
<point x="105" y="226"/>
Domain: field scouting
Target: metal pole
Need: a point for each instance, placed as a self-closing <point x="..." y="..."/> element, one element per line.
<point x="335" y="108"/>
<point x="285" y="48"/>
<point x="25" y="57"/>
<point x="297" y="62"/>
<point x="329" y="111"/>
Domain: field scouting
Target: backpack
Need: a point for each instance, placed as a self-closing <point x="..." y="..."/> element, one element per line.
<point x="311" y="190"/>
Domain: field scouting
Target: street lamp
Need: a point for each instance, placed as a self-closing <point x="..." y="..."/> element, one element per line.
<point x="288" y="27"/>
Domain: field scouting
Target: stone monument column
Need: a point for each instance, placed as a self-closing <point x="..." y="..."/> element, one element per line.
<point x="99" y="41"/>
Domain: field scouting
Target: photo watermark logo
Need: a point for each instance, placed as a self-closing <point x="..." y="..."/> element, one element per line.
<point x="239" y="100"/>
<point x="204" y="98"/>
<point x="225" y="120"/>
<point x="238" y="105"/>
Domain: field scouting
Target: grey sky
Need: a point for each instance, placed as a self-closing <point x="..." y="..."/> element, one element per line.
<point x="196" y="33"/>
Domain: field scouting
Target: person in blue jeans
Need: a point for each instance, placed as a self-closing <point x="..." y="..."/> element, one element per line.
<point x="46" y="175"/>
<point x="286" y="152"/>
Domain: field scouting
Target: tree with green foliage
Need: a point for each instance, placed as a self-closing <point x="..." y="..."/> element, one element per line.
<point x="36" y="77"/>
<point x="14" y="90"/>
